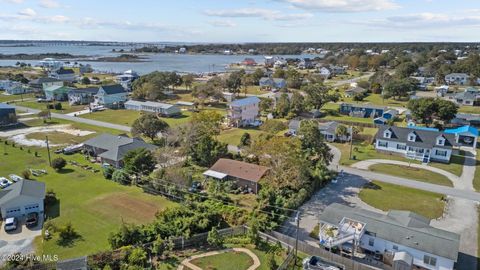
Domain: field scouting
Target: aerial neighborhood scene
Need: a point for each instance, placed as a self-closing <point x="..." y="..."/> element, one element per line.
<point x="239" y="135"/>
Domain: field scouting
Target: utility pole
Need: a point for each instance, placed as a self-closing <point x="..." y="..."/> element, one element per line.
<point x="48" y="151"/>
<point x="297" y="219"/>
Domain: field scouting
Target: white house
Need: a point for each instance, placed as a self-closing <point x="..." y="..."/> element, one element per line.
<point x="153" y="107"/>
<point x="62" y="74"/>
<point x="111" y="96"/>
<point x="457" y="78"/>
<point x="126" y="79"/>
<point x="325" y="72"/>
<point x="424" y="144"/>
<point x="21" y="198"/>
<point x="243" y="112"/>
<point x="402" y="237"/>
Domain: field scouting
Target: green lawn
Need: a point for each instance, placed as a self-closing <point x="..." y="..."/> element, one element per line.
<point x="412" y="173"/>
<point x="93" y="205"/>
<point x="363" y="151"/>
<point x="469" y="109"/>
<point x="455" y="166"/>
<point x="232" y="136"/>
<point x="386" y="197"/>
<point x="476" y="179"/>
<point x="225" y="261"/>
<point x="66" y="108"/>
<point x="7" y="98"/>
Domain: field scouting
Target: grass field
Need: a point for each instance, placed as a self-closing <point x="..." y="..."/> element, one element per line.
<point x="93" y="205"/>
<point x="232" y="136"/>
<point x="412" y="173"/>
<point x="455" y="166"/>
<point x="476" y="179"/>
<point x="225" y="261"/>
<point x="7" y="98"/>
<point x="387" y="196"/>
<point x="469" y="109"/>
<point x="66" y="108"/>
<point x="363" y="151"/>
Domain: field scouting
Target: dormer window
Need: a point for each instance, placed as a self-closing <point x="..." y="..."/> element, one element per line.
<point x="440" y="141"/>
<point x="387" y="134"/>
<point x="412" y="137"/>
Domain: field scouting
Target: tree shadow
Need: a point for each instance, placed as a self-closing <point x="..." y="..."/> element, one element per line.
<point x="53" y="210"/>
<point x="65" y="171"/>
<point x="372" y="186"/>
<point x="70" y="240"/>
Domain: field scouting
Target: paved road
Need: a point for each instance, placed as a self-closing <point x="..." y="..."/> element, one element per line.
<point x="79" y="119"/>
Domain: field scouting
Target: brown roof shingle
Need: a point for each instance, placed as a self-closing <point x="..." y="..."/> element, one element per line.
<point x="239" y="169"/>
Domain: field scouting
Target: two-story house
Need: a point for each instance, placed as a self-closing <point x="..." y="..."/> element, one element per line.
<point x="270" y="83"/>
<point x="111" y="96"/>
<point x="424" y="144"/>
<point x="243" y="112"/>
<point x="457" y="78"/>
<point x="405" y="239"/>
<point x="82" y="96"/>
<point x="469" y="97"/>
<point x="127" y="78"/>
<point x="62" y="74"/>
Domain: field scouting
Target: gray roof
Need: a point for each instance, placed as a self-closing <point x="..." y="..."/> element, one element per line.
<point x="469" y="94"/>
<point x="363" y="105"/>
<point x="294" y="124"/>
<point x="26" y="188"/>
<point x="6" y="106"/>
<point x="245" y="101"/>
<point x="424" y="138"/>
<point x="117" y="146"/>
<point x="356" y="90"/>
<point x="329" y="127"/>
<point x="113" y="89"/>
<point x="402" y="227"/>
<point x="160" y="105"/>
<point x="63" y="71"/>
<point x="43" y="80"/>
<point x="89" y="90"/>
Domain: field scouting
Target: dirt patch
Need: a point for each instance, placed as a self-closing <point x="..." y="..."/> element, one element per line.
<point x="125" y="207"/>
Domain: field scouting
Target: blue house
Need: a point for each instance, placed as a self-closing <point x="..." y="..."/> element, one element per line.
<point x="267" y="82"/>
<point x="362" y="110"/>
<point x="464" y="136"/>
<point x="111" y="96"/>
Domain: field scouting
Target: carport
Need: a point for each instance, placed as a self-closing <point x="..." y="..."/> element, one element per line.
<point x="465" y="136"/>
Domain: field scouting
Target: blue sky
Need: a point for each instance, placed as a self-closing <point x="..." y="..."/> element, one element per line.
<point x="242" y="20"/>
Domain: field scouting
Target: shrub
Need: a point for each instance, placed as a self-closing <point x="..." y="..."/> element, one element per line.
<point x="58" y="106"/>
<point x="121" y="177"/>
<point x="67" y="233"/>
<point x="214" y="238"/>
<point x="59" y="163"/>
<point x="26" y="174"/>
<point x="50" y="197"/>
<point x="271" y="263"/>
<point x="108" y="171"/>
<point x="137" y="257"/>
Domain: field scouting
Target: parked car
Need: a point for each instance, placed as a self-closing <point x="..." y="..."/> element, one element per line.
<point x="4" y="182"/>
<point x="316" y="263"/>
<point x="32" y="220"/>
<point x="11" y="224"/>
<point x="15" y="178"/>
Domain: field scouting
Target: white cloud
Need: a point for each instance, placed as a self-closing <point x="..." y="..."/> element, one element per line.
<point x="425" y="20"/>
<point x="28" y="12"/>
<point x="49" y="4"/>
<point x="222" y="23"/>
<point x="343" y="5"/>
<point x="266" y="14"/>
<point x="59" y="19"/>
<point x="14" y="1"/>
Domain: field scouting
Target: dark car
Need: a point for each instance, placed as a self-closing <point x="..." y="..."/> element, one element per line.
<point x="32" y="220"/>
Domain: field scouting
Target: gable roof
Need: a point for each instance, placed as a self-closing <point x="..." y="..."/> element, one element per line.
<point x="89" y="90"/>
<point x="356" y="90"/>
<point x="239" y="169"/>
<point x="159" y="105"/>
<point x="117" y="146"/>
<point x="245" y="101"/>
<point x="365" y="106"/>
<point x="6" y="106"/>
<point x="43" y="80"/>
<point x="23" y="187"/>
<point x="63" y="71"/>
<point x="424" y="138"/>
<point x="401" y="227"/>
<point x="113" y="89"/>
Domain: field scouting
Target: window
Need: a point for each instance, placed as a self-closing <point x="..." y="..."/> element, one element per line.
<point x="411" y="138"/>
<point x="429" y="260"/>
<point x="387" y="134"/>
<point x="371" y="242"/>
<point x="401" y="147"/>
<point x="441" y="141"/>
<point x="382" y="144"/>
<point x="441" y="153"/>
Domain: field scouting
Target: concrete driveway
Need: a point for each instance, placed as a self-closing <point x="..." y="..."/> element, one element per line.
<point x="20" y="240"/>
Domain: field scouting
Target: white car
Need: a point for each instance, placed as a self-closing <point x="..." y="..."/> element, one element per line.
<point x="11" y="224"/>
<point x="4" y="182"/>
<point x="15" y="178"/>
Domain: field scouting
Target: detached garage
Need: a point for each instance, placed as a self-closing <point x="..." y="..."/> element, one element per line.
<point x="21" y="198"/>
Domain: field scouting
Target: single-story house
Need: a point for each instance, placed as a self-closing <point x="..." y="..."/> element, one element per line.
<point x="441" y="90"/>
<point x="21" y="198"/>
<point x="407" y="238"/>
<point x="82" y="96"/>
<point x="56" y="92"/>
<point x="249" y="62"/>
<point x="18" y="89"/>
<point x="111" y="149"/>
<point x="267" y="82"/>
<point x="111" y="96"/>
<point x="306" y="63"/>
<point x="229" y="97"/>
<point x="457" y="78"/>
<point x="466" y="119"/>
<point x="38" y="84"/>
<point x="63" y="74"/>
<point x="7" y="114"/>
<point x="362" y="110"/>
<point x="328" y="129"/>
<point x="351" y="92"/>
<point x="325" y="72"/>
<point x="5" y="84"/>
<point x="423" y="144"/>
<point x="246" y="175"/>
<point x="163" y="109"/>
<point x="469" y="97"/>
